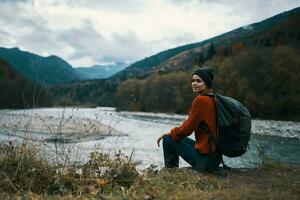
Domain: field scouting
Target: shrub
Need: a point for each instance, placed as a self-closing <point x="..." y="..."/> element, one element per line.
<point x="117" y="171"/>
<point x="22" y="169"/>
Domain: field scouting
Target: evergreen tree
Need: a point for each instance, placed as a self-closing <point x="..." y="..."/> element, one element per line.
<point x="211" y="51"/>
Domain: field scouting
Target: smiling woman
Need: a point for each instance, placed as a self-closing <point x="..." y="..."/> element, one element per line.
<point x="202" y="85"/>
<point x="200" y="153"/>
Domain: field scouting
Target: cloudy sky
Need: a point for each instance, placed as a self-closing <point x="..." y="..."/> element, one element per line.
<point x="87" y="32"/>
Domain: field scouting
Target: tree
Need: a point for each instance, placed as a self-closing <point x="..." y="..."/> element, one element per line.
<point x="211" y="51"/>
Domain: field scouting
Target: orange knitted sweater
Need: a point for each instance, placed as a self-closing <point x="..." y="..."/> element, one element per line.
<point x="203" y="109"/>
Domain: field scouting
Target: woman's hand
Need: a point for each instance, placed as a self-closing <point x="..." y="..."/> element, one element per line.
<point x="161" y="137"/>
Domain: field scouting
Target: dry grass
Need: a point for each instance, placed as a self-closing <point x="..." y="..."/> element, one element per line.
<point x="26" y="175"/>
<point x="24" y="171"/>
<point x="273" y="181"/>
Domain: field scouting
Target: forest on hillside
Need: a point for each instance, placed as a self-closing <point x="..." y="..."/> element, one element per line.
<point x="19" y="92"/>
<point x="264" y="79"/>
<point x="262" y="72"/>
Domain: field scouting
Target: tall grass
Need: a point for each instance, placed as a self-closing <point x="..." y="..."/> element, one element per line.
<point x="24" y="170"/>
<point x="26" y="174"/>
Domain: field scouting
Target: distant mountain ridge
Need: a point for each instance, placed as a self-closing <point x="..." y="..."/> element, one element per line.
<point x="45" y="70"/>
<point x="101" y="71"/>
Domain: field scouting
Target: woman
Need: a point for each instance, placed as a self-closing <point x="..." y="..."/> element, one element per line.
<point x="202" y="120"/>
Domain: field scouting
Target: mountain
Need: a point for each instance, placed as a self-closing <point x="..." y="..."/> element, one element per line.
<point x="19" y="92"/>
<point x="257" y="64"/>
<point x="145" y="67"/>
<point x="100" y="71"/>
<point x="45" y="70"/>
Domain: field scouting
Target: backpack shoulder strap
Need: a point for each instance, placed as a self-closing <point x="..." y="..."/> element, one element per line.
<point x="211" y="139"/>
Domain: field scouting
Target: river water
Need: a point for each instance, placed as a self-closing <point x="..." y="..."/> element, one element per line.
<point x="280" y="140"/>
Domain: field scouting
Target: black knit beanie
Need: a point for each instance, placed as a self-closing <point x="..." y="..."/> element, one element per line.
<point x="207" y="75"/>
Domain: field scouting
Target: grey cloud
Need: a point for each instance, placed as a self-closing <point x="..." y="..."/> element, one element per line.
<point x="17" y="16"/>
<point x="128" y="46"/>
<point x="183" y="38"/>
<point x="129" y="39"/>
<point x="3" y="36"/>
<point x="239" y="5"/>
<point x="85" y="40"/>
<point x="203" y="1"/>
<point x="182" y="2"/>
<point x="88" y="42"/>
<point x="15" y="1"/>
<point x="43" y="40"/>
<point x="127" y="6"/>
<point x="29" y="30"/>
<point x="249" y="11"/>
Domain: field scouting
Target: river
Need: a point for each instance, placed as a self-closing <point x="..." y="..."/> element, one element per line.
<point x="139" y="131"/>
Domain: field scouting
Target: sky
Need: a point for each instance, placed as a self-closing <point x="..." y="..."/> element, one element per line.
<point x="89" y="32"/>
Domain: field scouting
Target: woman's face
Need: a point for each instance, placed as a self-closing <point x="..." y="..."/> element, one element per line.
<point x="198" y="85"/>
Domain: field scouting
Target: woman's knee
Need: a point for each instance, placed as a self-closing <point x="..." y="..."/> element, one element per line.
<point x="167" y="139"/>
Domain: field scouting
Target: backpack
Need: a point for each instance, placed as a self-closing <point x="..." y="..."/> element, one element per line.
<point x="234" y="126"/>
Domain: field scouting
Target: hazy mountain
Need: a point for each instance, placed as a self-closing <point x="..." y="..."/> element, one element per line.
<point x="45" y="70"/>
<point x="101" y="71"/>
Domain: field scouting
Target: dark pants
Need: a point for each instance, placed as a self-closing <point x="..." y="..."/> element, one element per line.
<point x="185" y="149"/>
